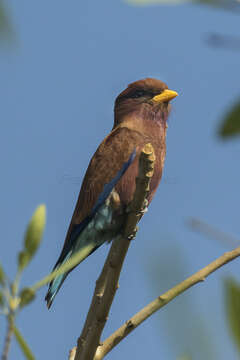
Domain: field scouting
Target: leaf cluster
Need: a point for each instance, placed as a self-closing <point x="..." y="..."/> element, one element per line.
<point x="12" y="299"/>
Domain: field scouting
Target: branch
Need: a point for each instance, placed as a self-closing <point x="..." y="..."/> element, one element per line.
<point x="161" y="301"/>
<point x="8" y="338"/>
<point x="212" y="232"/>
<point x="107" y="283"/>
<point x="72" y="353"/>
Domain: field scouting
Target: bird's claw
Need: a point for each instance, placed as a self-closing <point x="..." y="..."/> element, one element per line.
<point x="145" y="207"/>
<point x="133" y="235"/>
<point x="143" y="211"/>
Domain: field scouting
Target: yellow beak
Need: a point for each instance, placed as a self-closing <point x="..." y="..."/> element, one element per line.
<point x="165" y="96"/>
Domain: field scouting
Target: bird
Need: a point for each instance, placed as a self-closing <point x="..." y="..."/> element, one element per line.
<point x="140" y="117"/>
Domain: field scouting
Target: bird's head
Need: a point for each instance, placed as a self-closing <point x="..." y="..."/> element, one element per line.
<point x="148" y="98"/>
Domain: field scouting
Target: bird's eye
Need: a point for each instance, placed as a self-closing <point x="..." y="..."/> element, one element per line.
<point x="137" y="94"/>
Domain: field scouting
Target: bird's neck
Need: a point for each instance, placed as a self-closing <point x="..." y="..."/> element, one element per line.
<point x="150" y="123"/>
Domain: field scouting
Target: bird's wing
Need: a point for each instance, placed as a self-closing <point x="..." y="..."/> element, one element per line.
<point x="107" y="166"/>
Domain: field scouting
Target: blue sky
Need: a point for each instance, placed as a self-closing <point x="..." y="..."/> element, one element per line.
<point x="58" y="85"/>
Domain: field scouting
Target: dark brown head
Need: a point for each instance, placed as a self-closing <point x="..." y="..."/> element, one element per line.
<point x="147" y="97"/>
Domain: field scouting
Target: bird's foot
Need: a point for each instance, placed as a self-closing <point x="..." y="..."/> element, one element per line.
<point x="133" y="235"/>
<point x="145" y="207"/>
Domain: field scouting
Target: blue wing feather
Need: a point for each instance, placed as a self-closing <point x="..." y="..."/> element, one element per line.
<point x="78" y="242"/>
<point x="107" y="189"/>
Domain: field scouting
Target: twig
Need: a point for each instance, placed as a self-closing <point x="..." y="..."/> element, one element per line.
<point x="223" y="41"/>
<point x="107" y="283"/>
<point x="161" y="301"/>
<point x="212" y="232"/>
<point x="8" y="338"/>
<point x="72" y="354"/>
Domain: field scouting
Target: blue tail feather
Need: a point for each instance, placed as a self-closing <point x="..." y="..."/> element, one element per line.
<point x="55" y="285"/>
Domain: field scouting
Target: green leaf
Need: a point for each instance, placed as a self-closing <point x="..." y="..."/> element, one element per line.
<point x="35" y="230"/>
<point x="6" y="30"/>
<point x="1" y="299"/>
<point x="232" y="295"/>
<point x="23" y="260"/>
<point x="27" y="295"/>
<point x="223" y="4"/>
<point x="155" y="2"/>
<point x="231" y="123"/>
<point x="2" y="275"/>
<point x="33" y="236"/>
<point x="23" y="345"/>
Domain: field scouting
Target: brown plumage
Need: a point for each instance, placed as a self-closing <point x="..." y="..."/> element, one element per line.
<point x="137" y="121"/>
<point x="140" y="117"/>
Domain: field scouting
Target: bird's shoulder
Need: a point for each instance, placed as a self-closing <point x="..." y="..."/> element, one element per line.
<point x="118" y="145"/>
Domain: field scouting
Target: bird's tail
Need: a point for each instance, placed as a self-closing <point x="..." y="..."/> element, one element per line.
<point x="56" y="283"/>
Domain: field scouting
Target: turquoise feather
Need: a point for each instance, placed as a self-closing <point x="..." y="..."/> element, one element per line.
<point x="91" y="237"/>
